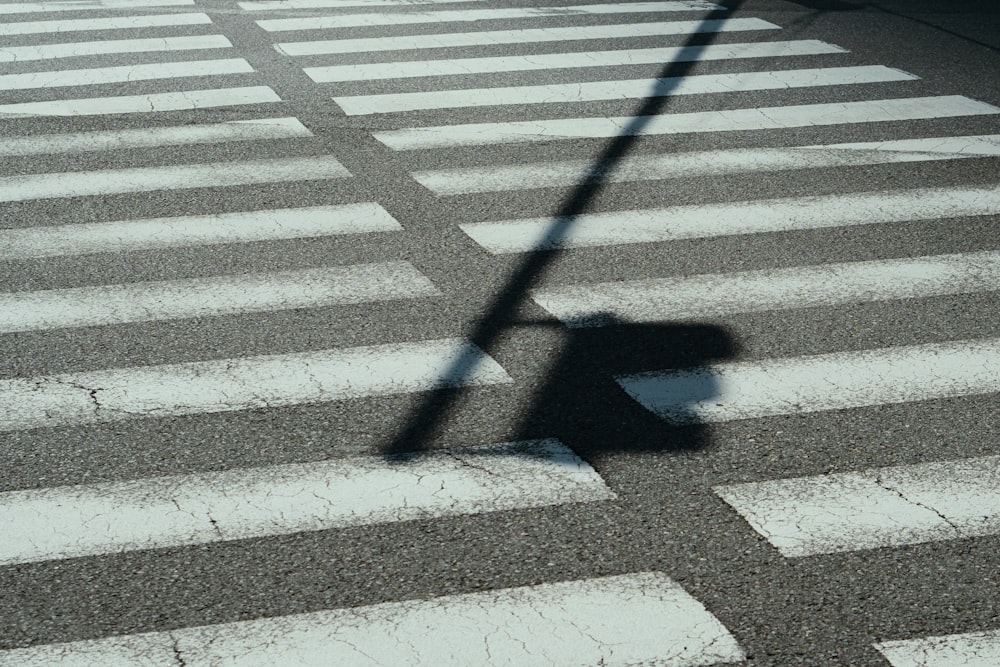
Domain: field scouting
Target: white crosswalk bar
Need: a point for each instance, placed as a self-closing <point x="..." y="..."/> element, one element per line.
<point x="244" y="383"/>
<point x="174" y="177"/>
<point x="590" y="91"/>
<point x="257" y="129"/>
<point x="152" y="103"/>
<point x="689" y="165"/>
<point x="749" y="217"/>
<point x="104" y="47"/>
<point x="697" y="297"/>
<point x="277" y="5"/>
<point x="723" y="120"/>
<point x="85" y="5"/>
<point x="797" y="385"/>
<point x="871" y="509"/>
<point x="629" y="619"/>
<point x="974" y="649"/>
<point x="471" y="15"/>
<point x="123" y="74"/>
<point x="211" y="296"/>
<point x="112" y="23"/>
<point x="525" y="36"/>
<point x="199" y="230"/>
<point x="182" y="510"/>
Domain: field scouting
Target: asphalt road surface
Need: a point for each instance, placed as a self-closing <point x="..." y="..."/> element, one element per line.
<point x="487" y="332"/>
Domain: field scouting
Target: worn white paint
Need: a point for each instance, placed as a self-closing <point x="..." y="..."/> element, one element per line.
<point x="278" y="5"/>
<point x="697" y="297"/>
<point x="243" y="383"/>
<point x="748" y="217"/>
<point x="154" y="102"/>
<point x="694" y="164"/>
<point x="181" y="510"/>
<point x="545" y="61"/>
<point x="836" y="381"/>
<point x="109" y="23"/>
<point x="13" y="54"/>
<point x="723" y="120"/>
<point x="174" y="177"/>
<point x="85" y="5"/>
<point x="472" y="15"/>
<point x="974" y="649"/>
<point x="589" y="91"/>
<point x="523" y="36"/>
<point x="631" y="619"/>
<point x="198" y="230"/>
<point x="211" y="296"/>
<point x="123" y="74"/>
<point x="884" y="507"/>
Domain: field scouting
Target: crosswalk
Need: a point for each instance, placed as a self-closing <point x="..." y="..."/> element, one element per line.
<point x="458" y="99"/>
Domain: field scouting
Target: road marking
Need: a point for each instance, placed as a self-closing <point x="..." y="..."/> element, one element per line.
<point x="152" y="103"/>
<point x="245" y="383"/>
<point x="723" y="120"/>
<point x="123" y="74"/>
<point x="258" y="129"/>
<point x="697" y="297"/>
<point x="470" y="15"/>
<point x="525" y="36"/>
<point x="112" y="23"/>
<point x="210" y="297"/>
<point x="272" y="5"/>
<point x="589" y="91"/>
<point x="975" y="649"/>
<point x="797" y="385"/>
<point x="687" y="165"/>
<point x="182" y="510"/>
<point x="200" y="230"/>
<point x="871" y="509"/>
<point x="728" y="219"/>
<point x="102" y="47"/>
<point x="85" y="5"/>
<point x="544" y="61"/>
<point x="173" y="177"/>
<point x="642" y="618"/>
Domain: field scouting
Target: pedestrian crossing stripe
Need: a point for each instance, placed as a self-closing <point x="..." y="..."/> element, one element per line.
<point x="202" y="508"/>
<point x="642" y="618"/>
<point x="109" y="23"/>
<point x="974" y="649"/>
<point x="589" y="91"/>
<point x="278" y="5"/>
<point x="835" y="381"/>
<point x="244" y="383"/>
<point x="197" y="230"/>
<point x="211" y="296"/>
<point x="871" y="509"/>
<point x="19" y="54"/>
<point x="152" y="103"/>
<point x="123" y="74"/>
<point x="86" y="5"/>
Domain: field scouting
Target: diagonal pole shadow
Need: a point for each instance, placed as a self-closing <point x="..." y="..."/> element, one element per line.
<point x="501" y="313"/>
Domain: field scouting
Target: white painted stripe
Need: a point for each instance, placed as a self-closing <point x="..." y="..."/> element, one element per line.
<point x="210" y="297"/>
<point x="112" y="23"/>
<point x="257" y="129"/>
<point x="751" y="217"/>
<point x="616" y="90"/>
<point x="748" y="390"/>
<point x="152" y="103"/>
<point x="123" y="74"/>
<point x="471" y="15"/>
<point x="697" y="297"/>
<point x="85" y="5"/>
<point x="244" y="383"/>
<point x="200" y="230"/>
<point x="975" y="649"/>
<point x="173" y="177"/>
<point x="181" y="510"/>
<point x="886" y="507"/>
<point x="101" y="47"/>
<point x="723" y="120"/>
<point x="274" y="5"/>
<point x="629" y="619"/>
<point x="526" y="36"/>
<point x="688" y="165"/>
